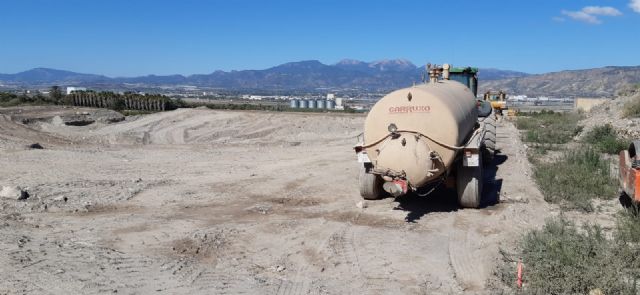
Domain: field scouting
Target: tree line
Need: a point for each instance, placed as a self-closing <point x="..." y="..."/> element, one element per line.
<point x="103" y="99"/>
<point x="125" y="101"/>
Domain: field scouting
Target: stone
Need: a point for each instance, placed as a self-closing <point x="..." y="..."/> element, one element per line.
<point x="361" y="205"/>
<point x="14" y="192"/>
<point x="57" y="121"/>
<point x="36" y="146"/>
<point x="61" y="199"/>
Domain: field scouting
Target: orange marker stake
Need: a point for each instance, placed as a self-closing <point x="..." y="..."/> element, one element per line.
<point x="519" y="281"/>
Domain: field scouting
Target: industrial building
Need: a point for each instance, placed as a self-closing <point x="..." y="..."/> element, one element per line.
<point x="72" y="89"/>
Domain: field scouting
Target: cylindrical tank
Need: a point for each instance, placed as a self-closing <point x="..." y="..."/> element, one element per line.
<point x="312" y="104"/>
<point x="304" y="103"/>
<point x="294" y="104"/>
<point x="331" y="104"/>
<point x="321" y="104"/>
<point x="428" y="118"/>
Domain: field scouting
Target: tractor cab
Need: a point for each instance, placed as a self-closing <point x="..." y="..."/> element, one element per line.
<point x="498" y="100"/>
<point x="495" y="96"/>
<point x="467" y="76"/>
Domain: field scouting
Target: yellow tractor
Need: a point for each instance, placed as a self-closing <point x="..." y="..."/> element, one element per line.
<point x="498" y="101"/>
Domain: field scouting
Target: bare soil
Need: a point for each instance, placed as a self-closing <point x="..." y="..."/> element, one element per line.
<point x="219" y="202"/>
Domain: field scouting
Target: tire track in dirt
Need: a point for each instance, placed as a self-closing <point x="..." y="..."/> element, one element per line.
<point x="468" y="268"/>
<point x="345" y="244"/>
<point x="303" y="280"/>
<point x="300" y="284"/>
<point x="191" y="276"/>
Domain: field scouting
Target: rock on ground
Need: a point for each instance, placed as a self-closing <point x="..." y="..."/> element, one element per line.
<point x="13" y="192"/>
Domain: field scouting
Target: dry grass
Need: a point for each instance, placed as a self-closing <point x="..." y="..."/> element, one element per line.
<point x="632" y="108"/>
<point x="562" y="258"/>
<point x="549" y="128"/>
<point x="605" y="140"/>
<point x="575" y="179"/>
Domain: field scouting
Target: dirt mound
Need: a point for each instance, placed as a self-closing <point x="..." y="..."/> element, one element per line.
<point x="14" y="135"/>
<point x="198" y="126"/>
<point x="612" y="112"/>
<point x="73" y="116"/>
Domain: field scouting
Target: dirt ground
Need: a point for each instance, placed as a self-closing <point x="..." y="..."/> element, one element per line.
<point x="219" y="202"/>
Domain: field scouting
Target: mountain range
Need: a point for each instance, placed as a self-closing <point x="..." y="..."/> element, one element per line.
<point x="383" y="75"/>
<point x="311" y="74"/>
<point x="598" y="82"/>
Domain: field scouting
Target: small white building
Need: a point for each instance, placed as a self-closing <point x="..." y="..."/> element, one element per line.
<point x="72" y="89"/>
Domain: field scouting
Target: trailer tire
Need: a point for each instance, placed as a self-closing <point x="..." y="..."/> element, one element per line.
<point x="469" y="185"/>
<point x="370" y="185"/>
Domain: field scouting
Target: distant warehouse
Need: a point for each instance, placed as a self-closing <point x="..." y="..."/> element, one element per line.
<point x="72" y="89"/>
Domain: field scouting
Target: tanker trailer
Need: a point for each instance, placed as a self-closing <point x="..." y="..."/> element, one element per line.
<point x="417" y="138"/>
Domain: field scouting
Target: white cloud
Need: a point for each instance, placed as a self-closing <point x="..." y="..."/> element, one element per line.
<point x="582" y="16"/>
<point x="589" y="14"/>
<point x="635" y="5"/>
<point x="601" y="10"/>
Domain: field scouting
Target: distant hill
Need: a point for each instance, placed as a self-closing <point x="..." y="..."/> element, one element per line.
<point x="45" y="75"/>
<point x="383" y="75"/>
<point x="311" y="74"/>
<point x="496" y="74"/>
<point x="607" y="82"/>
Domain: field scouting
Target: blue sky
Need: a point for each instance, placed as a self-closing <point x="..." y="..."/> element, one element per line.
<point x="128" y="38"/>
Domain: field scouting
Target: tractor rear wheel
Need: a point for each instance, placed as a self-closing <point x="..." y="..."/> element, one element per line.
<point x="370" y="185"/>
<point x="489" y="141"/>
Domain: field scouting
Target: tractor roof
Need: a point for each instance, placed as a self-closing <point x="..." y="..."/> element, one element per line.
<point x="464" y="70"/>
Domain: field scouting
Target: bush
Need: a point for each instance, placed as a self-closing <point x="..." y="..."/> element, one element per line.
<point x="549" y="127"/>
<point x="11" y="99"/>
<point x="117" y="104"/>
<point x="177" y="103"/>
<point x="628" y="225"/>
<point x="562" y="259"/>
<point x="605" y="140"/>
<point x="632" y="108"/>
<point x="575" y="179"/>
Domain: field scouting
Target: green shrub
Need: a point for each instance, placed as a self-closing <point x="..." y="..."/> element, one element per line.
<point x="177" y="103"/>
<point x="549" y="127"/>
<point x="628" y="225"/>
<point x="563" y="259"/>
<point x="605" y="140"/>
<point x="11" y="99"/>
<point x="575" y="179"/>
<point x="632" y="108"/>
<point x="116" y="104"/>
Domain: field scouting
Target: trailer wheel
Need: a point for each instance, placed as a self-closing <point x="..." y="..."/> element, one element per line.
<point x="370" y="185"/>
<point x="469" y="185"/>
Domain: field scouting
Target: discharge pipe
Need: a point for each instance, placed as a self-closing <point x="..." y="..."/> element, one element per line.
<point x="395" y="188"/>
